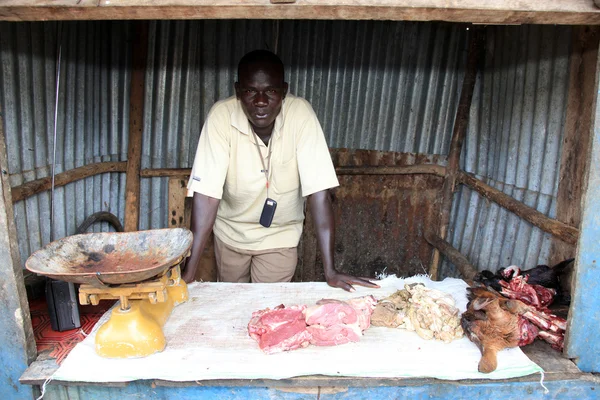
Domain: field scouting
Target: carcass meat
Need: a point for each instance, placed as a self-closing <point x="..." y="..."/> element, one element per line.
<point x="329" y="322"/>
<point x="279" y="329"/>
<point x="333" y="322"/>
<point x="494" y="323"/>
<point x="515" y="284"/>
<point x="533" y="295"/>
<point x="542" y="275"/>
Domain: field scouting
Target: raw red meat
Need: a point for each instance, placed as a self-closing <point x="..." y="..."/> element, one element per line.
<point x="330" y="312"/>
<point x="364" y="306"/>
<point x="333" y="322"/>
<point x="528" y="331"/>
<point x="533" y="295"/>
<point x="551" y="327"/>
<point x="334" y="335"/>
<point x="330" y="322"/>
<point x="280" y="329"/>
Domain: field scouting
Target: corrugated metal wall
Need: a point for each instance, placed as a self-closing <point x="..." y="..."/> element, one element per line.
<point x="374" y="85"/>
<point x="382" y="85"/>
<point x="514" y="141"/>
<point x="92" y="123"/>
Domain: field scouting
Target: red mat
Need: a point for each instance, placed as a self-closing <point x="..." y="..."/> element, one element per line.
<point x="59" y="344"/>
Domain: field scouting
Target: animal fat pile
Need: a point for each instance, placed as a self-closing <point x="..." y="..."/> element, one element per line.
<point x="431" y="313"/>
<point x="329" y="322"/>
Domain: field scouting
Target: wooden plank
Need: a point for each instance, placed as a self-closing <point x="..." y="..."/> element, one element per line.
<point x="38" y="372"/>
<point x="17" y="339"/>
<point x="384" y="170"/>
<point x="28" y="189"/>
<point x="582" y="342"/>
<point x="424" y="169"/>
<point x="136" y="126"/>
<point x="559" y="229"/>
<point x="461" y="123"/>
<point x="180" y="215"/>
<point x="467" y="270"/>
<point x="578" y="123"/>
<point x="564" y="12"/>
<point x="25" y="190"/>
<point x="177" y="195"/>
<point x="163" y="172"/>
<point x="550" y="360"/>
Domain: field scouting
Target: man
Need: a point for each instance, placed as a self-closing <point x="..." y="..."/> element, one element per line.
<point x="260" y="154"/>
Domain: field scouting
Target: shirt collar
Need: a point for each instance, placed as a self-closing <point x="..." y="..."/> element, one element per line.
<point x="240" y="122"/>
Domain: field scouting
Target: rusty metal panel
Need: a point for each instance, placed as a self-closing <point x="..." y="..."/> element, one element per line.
<point x="380" y="220"/>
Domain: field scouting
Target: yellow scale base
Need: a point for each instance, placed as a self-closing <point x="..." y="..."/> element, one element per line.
<point x="134" y="329"/>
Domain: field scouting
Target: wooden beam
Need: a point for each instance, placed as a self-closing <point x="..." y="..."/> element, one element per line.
<point x="461" y="123"/>
<point x="17" y="338"/>
<point x="25" y="190"/>
<point x="164" y="172"/>
<point x="467" y="270"/>
<point x="559" y="229"/>
<point x="136" y="126"/>
<point x="28" y="189"/>
<point x="578" y="128"/>
<point x="564" y="12"/>
<point x="426" y="169"/>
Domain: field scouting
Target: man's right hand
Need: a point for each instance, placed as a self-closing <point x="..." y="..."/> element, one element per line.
<point x="204" y="214"/>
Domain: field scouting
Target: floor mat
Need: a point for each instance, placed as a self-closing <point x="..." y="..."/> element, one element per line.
<point x="59" y="344"/>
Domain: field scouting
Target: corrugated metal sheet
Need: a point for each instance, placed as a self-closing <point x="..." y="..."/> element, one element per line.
<point x="388" y="86"/>
<point x="513" y="143"/>
<point x="91" y="125"/>
<point x="379" y="85"/>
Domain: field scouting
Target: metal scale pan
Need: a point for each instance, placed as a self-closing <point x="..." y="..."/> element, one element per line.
<point x="111" y="258"/>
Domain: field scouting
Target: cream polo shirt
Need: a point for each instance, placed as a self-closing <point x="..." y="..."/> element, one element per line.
<point x="227" y="167"/>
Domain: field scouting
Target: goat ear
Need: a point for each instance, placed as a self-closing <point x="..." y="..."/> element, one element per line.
<point x="480" y="302"/>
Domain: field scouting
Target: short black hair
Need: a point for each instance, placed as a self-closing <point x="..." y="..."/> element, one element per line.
<point x="260" y="57"/>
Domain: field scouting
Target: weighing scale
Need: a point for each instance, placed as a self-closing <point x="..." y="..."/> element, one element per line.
<point x="140" y="269"/>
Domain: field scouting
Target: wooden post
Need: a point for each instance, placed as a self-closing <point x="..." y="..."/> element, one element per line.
<point x="17" y="340"/>
<point x="578" y="128"/>
<point x="582" y="343"/>
<point x="136" y="125"/>
<point x="461" y="124"/>
<point x="467" y="270"/>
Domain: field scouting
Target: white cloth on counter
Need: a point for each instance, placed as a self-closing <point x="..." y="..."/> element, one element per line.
<point x="207" y="338"/>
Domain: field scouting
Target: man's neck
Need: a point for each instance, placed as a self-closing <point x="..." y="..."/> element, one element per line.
<point x="264" y="134"/>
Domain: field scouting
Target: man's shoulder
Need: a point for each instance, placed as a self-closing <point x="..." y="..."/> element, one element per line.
<point x="295" y="105"/>
<point x="223" y="108"/>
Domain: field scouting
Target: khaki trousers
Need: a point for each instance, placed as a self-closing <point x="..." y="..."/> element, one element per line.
<point x="258" y="266"/>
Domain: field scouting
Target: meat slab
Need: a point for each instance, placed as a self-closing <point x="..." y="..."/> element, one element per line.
<point x="328" y="323"/>
<point x="280" y="329"/>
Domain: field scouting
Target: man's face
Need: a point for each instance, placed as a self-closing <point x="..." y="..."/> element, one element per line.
<point x="261" y="91"/>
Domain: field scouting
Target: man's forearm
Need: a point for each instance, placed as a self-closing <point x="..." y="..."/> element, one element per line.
<point x="322" y="216"/>
<point x="204" y="213"/>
